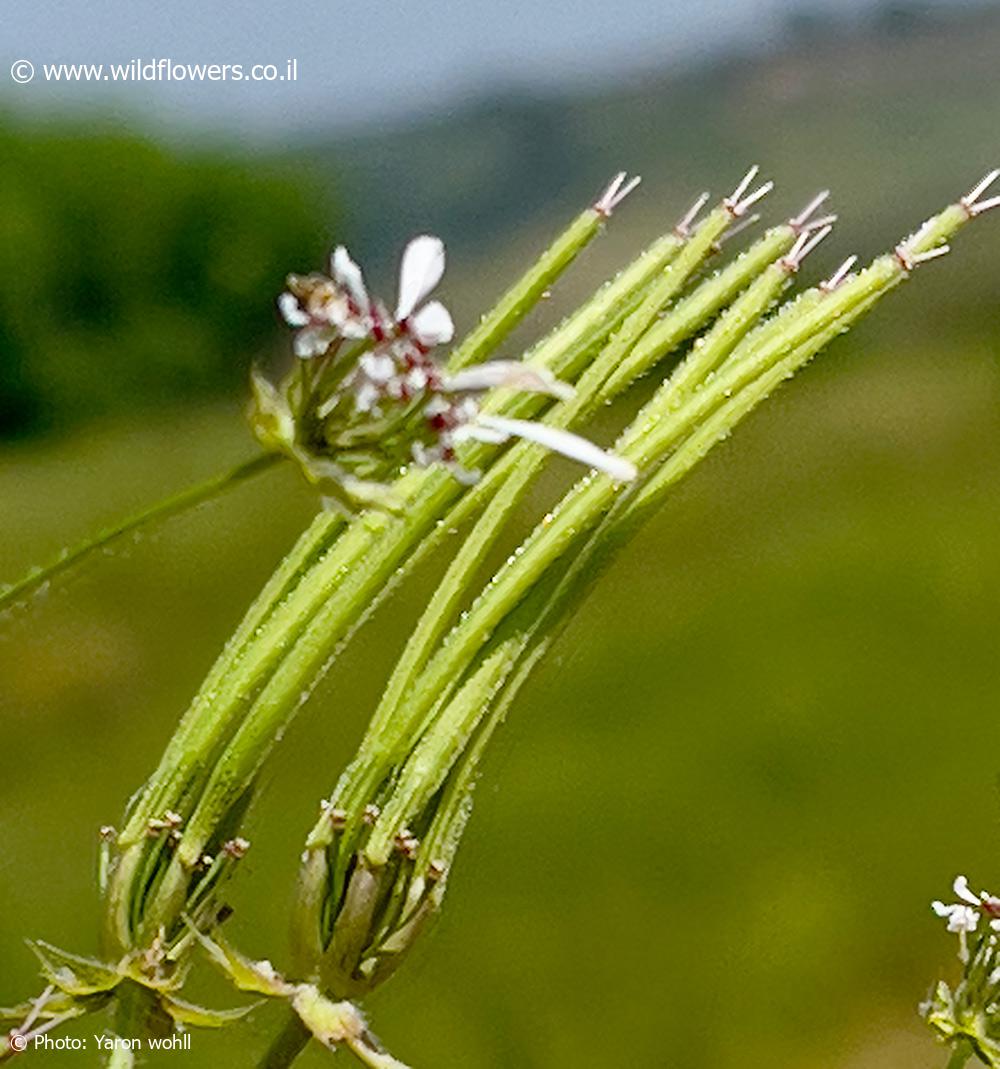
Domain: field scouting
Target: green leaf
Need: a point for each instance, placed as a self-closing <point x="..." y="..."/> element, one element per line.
<point x="59" y="1005"/>
<point x="73" y="974"/>
<point x="12" y="1016"/>
<point x="270" y="416"/>
<point x="157" y="978"/>
<point x="188" y="1013"/>
<point x="258" y="977"/>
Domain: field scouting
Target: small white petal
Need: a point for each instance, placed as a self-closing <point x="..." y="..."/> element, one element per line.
<point x="292" y="314"/>
<point x="419" y="272"/>
<point x="965" y="919"/>
<point x="569" y="445"/>
<point x="378" y="367"/>
<point x="416" y="379"/>
<point x="509" y="373"/>
<point x="436" y="406"/>
<point x="961" y="889"/>
<point x="347" y="273"/>
<point x="432" y="325"/>
<point x="313" y="341"/>
<point x="354" y="328"/>
<point x="961" y="919"/>
<point x="366" y="397"/>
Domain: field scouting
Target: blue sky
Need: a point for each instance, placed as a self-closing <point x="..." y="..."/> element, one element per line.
<point x="363" y="61"/>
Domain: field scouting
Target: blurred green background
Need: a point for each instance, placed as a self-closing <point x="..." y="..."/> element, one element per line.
<point x="711" y="829"/>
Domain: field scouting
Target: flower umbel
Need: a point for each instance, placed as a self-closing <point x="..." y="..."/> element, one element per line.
<point x="367" y="395"/>
<point x="970" y="1013"/>
<point x="963" y="916"/>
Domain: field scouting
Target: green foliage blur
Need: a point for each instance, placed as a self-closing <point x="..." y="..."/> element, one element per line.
<point x="132" y="274"/>
<point x="709" y="833"/>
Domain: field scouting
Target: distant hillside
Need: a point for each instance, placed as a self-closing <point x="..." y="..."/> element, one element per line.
<point x="897" y="114"/>
<point x="903" y="99"/>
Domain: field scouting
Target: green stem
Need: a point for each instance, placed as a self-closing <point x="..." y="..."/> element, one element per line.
<point x="754" y="370"/>
<point x="515" y="304"/>
<point x="241" y="671"/>
<point x="288" y="1044"/>
<point x="385" y="741"/>
<point x="171" y="506"/>
<point x="138" y="1013"/>
<point x="696" y="309"/>
<point x="197" y="733"/>
<point x="277" y="673"/>
<point x="961" y="1052"/>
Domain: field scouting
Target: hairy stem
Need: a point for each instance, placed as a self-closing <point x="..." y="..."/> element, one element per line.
<point x="171" y="506"/>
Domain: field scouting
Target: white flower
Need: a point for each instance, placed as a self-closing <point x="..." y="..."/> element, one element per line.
<point x="964" y="916"/>
<point x="292" y="314"/>
<point x="366" y="396"/>
<point x="456" y="419"/>
<point x="322" y="310"/>
<point x="313" y="341"/>
<point x="961" y="918"/>
<point x="313" y="333"/>
<point x="398" y="368"/>
<point x="416" y="380"/>
<point x="379" y="367"/>
<point x="419" y="272"/>
<point x="375" y="377"/>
